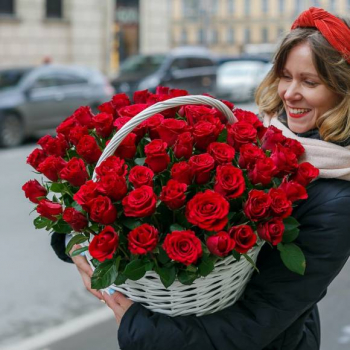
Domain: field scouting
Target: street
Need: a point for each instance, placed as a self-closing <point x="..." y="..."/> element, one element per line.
<point x="40" y="293"/>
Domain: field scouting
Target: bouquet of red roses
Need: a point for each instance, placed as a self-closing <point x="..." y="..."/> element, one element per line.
<point x="177" y="197"/>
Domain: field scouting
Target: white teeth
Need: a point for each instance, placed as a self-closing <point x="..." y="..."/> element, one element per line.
<point x="298" y="110"/>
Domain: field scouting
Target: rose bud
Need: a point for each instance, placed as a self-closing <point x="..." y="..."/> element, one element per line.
<point x="142" y="239"/>
<point x="140" y="202"/>
<point x="66" y="126"/>
<point x="141" y="96"/>
<point x="49" y="209"/>
<point x="121" y="100"/>
<point x="229" y="181"/>
<point x="280" y="205"/>
<point x="170" y="129"/>
<point x="76" y="133"/>
<point x="88" y="149"/>
<point x="33" y="190"/>
<point x="54" y="146"/>
<point x="51" y="167"/>
<point x="112" y="165"/>
<point x="271" y="231"/>
<point x="295" y="146"/>
<point x="173" y="194"/>
<point x="249" y="154"/>
<point x="113" y="186"/>
<point x="103" y="123"/>
<point x="220" y="244"/>
<point x="140" y="175"/>
<point x="257" y="206"/>
<point x="262" y="171"/>
<point x="181" y="172"/>
<point x="221" y="152"/>
<point x="206" y="132"/>
<point x="241" y="133"/>
<point x="184" y="146"/>
<point x="183" y="246"/>
<point x="75" y="219"/>
<point x="244" y="238"/>
<point x="201" y="166"/>
<point x="293" y="190"/>
<point x="156" y="157"/>
<point x="102" y="210"/>
<point x="208" y="211"/>
<point x="86" y="194"/>
<point x="151" y="125"/>
<point x="272" y="137"/>
<point x="127" y="148"/>
<point x="36" y="158"/>
<point x="132" y="110"/>
<point x="194" y="113"/>
<point x="305" y="174"/>
<point x="285" y="160"/>
<point x="75" y="172"/>
<point x="84" y="116"/>
<point x="104" y="245"/>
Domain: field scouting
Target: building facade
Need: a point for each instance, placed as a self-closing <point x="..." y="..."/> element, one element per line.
<point x="59" y="31"/>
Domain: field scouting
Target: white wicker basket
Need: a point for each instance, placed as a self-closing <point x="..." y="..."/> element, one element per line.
<point x="222" y="287"/>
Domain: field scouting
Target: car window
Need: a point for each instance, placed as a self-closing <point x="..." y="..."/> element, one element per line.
<point x="179" y="63"/>
<point x="45" y="81"/>
<point x="195" y="62"/>
<point x="142" y="63"/>
<point x="70" y="79"/>
<point x="10" y="78"/>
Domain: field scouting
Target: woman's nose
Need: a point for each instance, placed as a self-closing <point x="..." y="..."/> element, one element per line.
<point x="292" y="92"/>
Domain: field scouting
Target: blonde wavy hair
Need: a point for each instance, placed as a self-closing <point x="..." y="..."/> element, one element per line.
<point x="333" y="71"/>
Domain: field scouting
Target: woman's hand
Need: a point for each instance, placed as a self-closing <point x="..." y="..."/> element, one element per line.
<point x="118" y="303"/>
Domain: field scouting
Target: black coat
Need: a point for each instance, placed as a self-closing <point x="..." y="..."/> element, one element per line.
<point x="278" y="308"/>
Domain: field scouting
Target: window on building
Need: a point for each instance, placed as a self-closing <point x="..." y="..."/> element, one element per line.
<point x="191" y="8"/>
<point x="265" y="35"/>
<point x="7" y="7"/>
<point x="281" y="6"/>
<point x="332" y="5"/>
<point x="231" y="6"/>
<point x="214" y="36"/>
<point x="201" y="36"/>
<point x="247" y="35"/>
<point x="214" y="7"/>
<point x="183" y="38"/>
<point x="247" y="7"/>
<point x="265" y="6"/>
<point x="54" y="9"/>
<point x="230" y="35"/>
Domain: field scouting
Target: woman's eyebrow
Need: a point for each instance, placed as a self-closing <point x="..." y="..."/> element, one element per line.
<point x="285" y="70"/>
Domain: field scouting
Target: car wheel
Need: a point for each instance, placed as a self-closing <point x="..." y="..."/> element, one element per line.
<point x="11" y="130"/>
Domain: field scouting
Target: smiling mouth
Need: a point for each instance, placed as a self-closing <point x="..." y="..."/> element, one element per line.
<point x="298" y="112"/>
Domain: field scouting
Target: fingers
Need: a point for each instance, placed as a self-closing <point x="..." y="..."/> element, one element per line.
<point x="87" y="283"/>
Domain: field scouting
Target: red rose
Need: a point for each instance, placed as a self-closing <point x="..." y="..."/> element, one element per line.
<point x="51" y="167"/>
<point x="86" y="194"/>
<point x="84" y="116"/>
<point x="272" y="137"/>
<point x="112" y="165"/>
<point x="249" y="154"/>
<point x="140" y="175"/>
<point x="271" y="231"/>
<point x="229" y="181"/>
<point x="240" y="133"/>
<point x="139" y="130"/>
<point x="142" y="239"/>
<point x="33" y="190"/>
<point x="294" y="191"/>
<point x="173" y="194"/>
<point x="75" y="172"/>
<point x="201" y="166"/>
<point x="102" y="210"/>
<point x="75" y="219"/>
<point x="170" y="129"/>
<point x="141" y="96"/>
<point x="195" y="113"/>
<point x="206" y="132"/>
<point x="76" y="133"/>
<point x="181" y="172"/>
<point x="183" y="246"/>
<point x="49" y="209"/>
<point x="220" y="244"/>
<point x="156" y="157"/>
<point x="221" y="152"/>
<point x="208" y="210"/>
<point x="113" y="186"/>
<point x="244" y="238"/>
<point x="281" y="206"/>
<point x="305" y="174"/>
<point x="103" y="123"/>
<point x="262" y="171"/>
<point x="151" y="125"/>
<point x="252" y="119"/>
<point x="36" y="157"/>
<point x="88" y="149"/>
<point x="108" y="107"/>
<point x="285" y="160"/>
<point x="132" y="110"/>
<point x="257" y="206"/>
<point x="127" y="148"/>
<point x="66" y="126"/>
<point x="120" y="100"/>
<point x="295" y="146"/>
<point x="140" y="202"/>
<point x="104" y="245"/>
<point x="55" y="146"/>
<point x="184" y="146"/>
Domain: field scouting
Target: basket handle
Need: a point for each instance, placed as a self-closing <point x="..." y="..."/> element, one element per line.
<point x="157" y="108"/>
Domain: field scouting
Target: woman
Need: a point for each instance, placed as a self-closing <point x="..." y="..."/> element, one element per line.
<point x="307" y="95"/>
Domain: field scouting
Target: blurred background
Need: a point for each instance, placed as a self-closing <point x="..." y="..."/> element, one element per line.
<point x="56" y="55"/>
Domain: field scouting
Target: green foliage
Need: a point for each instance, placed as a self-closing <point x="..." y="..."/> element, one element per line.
<point x="60" y="226"/>
<point x="223" y="136"/>
<point x="186" y="277"/>
<point x="167" y="275"/>
<point x="79" y="251"/>
<point x="77" y="239"/>
<point x="135" y="270"/>
<point x="292" y="257"/>
<point x="41" y="222"/>
<point x="206" y="267"/>
<point x="104" y="275"/>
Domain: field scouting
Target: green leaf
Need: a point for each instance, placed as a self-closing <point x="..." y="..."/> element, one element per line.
<point x="251" y="261"/>
<point x="131" y="223"/>
<point x="292" y="257"/>
<point x="163" y="257"/>
<point x="104" y="275"/>
<point x="176" y="227"/>
<point x="77" y="239"/>
<point x="290" y="223"/>
<point x="135" y="270"/>
<point x="80" y="250"/>
<point x="223" y="136"/>
<point x="41" y="222"/>
<point x="62" y="227"/>
<point x="186" y="277"/>
<point x="57" y="187"/>
<point x="167" y="275"/>
<point x="120" y="279"/>
<point x="206" y="267"/>
<point x="149" y="265"/>
<point x="140" y="161"/>
<point x="236" y="255"/>
<point x="290" y="235"/>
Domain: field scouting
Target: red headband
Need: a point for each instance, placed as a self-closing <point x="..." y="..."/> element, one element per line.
<point x="335" y="31"/>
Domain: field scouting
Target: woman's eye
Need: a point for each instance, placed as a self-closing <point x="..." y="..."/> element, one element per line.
<point x="311" y="83"/>
<point x="286" y="77"/>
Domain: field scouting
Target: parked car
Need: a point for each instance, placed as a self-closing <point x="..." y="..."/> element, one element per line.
<point x="39" y="98"/>
<point x="221" y="59"/>
<point x="238" y="80"/>
<point x="189" y="68"/>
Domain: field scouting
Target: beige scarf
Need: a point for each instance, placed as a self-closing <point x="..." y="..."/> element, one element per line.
<point x="332" y="160"/>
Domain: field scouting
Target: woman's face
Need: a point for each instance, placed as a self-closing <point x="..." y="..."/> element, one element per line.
<point x="305" y="97"/>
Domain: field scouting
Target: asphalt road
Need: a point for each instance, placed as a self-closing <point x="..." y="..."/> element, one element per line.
<point x="40" y="294"/>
